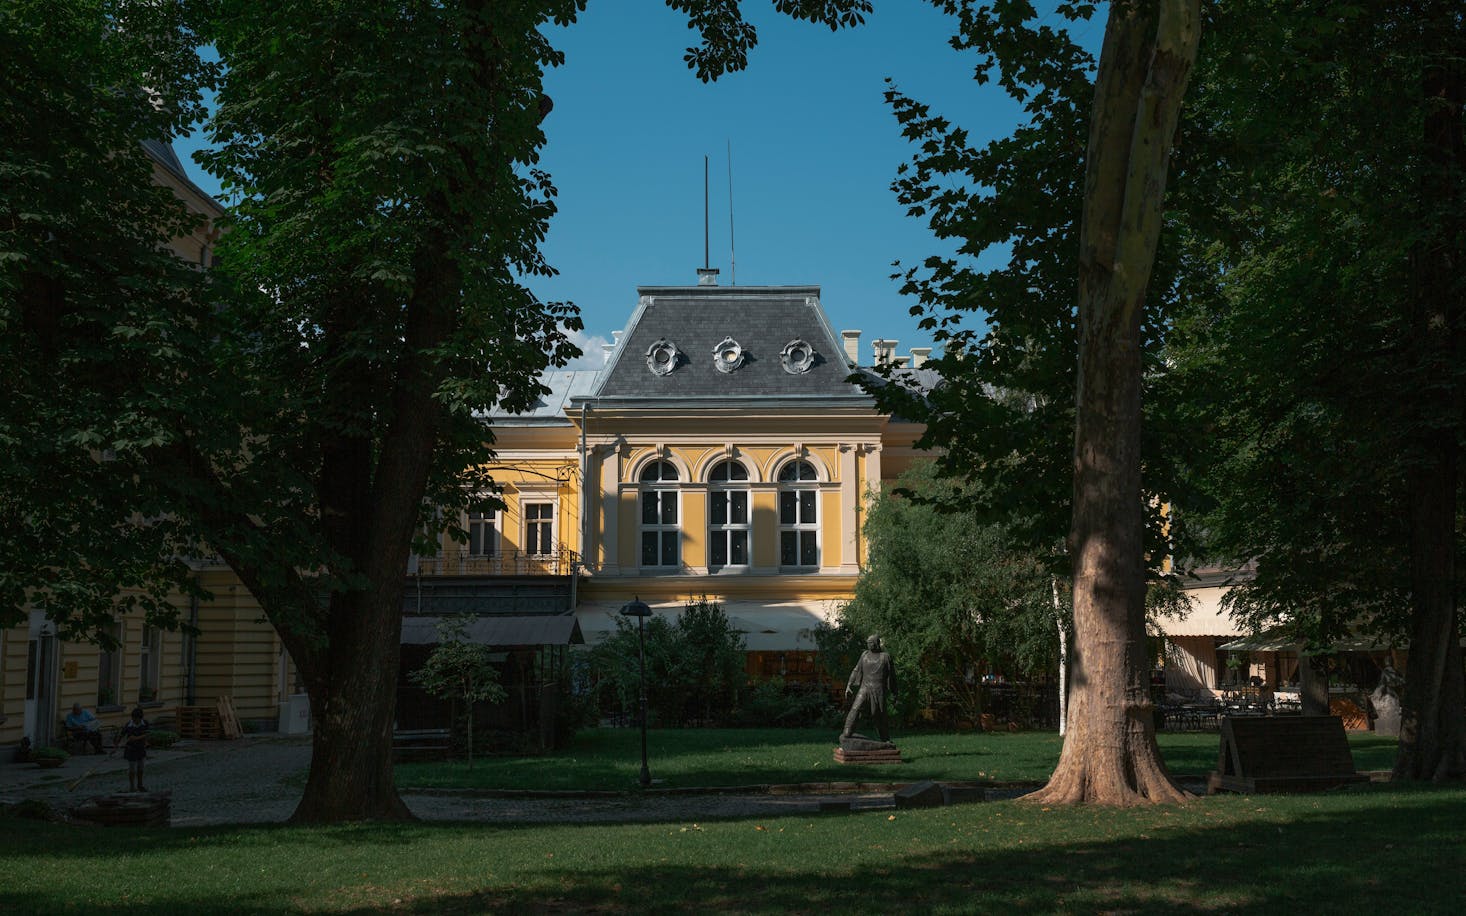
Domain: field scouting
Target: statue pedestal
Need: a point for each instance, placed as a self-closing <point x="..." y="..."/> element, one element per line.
<point x="860" y="749"/>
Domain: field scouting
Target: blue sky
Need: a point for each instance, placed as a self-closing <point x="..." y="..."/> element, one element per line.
<point x="814" y="151"/>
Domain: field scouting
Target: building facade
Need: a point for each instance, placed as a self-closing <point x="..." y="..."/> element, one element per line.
<point x="722" y="451"/>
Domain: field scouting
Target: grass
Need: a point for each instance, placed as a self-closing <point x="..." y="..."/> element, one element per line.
<point x="1375" y="849"/>
<point x="609" y="759"/>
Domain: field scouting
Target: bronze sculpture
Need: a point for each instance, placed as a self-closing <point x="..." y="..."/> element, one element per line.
<point x="874" y="682"/>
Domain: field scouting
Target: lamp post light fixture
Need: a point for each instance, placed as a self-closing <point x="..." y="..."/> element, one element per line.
<point x="639" y="609"/>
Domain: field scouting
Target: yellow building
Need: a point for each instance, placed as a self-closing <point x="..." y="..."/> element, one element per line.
<point x="721" y="451"/>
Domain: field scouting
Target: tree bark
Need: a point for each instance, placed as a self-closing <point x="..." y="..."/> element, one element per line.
<point x="1110" y="754"/>
<point x="1313" y="684"/>
<point x="1433" y="708"/>
<point x="353" y="692"/>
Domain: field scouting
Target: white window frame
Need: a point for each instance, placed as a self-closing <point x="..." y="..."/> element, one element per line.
<point x="801" y="527"/>
<point x="539" y="529"/>
<point x="150" y="664"/>
<point x="728" y="483"/>
<point x="660" y="482"/>
<point x="109" y="669"/>
<point x="482" y="526"/>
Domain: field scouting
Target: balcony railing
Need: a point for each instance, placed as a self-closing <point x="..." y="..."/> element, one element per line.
<point x="501" y="563"/>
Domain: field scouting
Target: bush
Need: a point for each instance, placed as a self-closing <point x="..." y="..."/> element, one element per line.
<point x="694" y="667"/>
<point x="162" y="738"/>
<point x="775" y="703"/>
<point x="50" y="753"/>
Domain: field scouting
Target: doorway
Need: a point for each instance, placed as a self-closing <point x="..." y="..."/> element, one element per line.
<point x="40" y="681"/>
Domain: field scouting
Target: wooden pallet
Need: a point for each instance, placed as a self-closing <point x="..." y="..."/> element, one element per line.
<point x="197" y="722"/>
<point x="228" y="722"/>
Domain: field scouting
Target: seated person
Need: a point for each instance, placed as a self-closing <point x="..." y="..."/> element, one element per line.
<point x="84" y="727"/>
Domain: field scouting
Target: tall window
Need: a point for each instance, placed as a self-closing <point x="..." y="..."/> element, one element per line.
<point x="150" y="660"/>
<point x="728" y="527"/>
<point x="799" y="533"/>
<point x="539" y="528"/>
<point x="483" y="532"/>
<point x="109" y="670"/>
<point x="659" y="533"/>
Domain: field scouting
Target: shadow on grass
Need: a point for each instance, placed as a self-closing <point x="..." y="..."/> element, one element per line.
<point x="1395" y="850"/>
<point x="1385" y="859"/>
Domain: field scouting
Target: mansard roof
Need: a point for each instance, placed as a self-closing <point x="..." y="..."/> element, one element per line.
<point x="760" y="330"/>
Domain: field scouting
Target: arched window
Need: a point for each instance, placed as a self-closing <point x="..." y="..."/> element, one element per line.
<point x="659" y="532"/>
<point x="728" y="527"/>
<point x="799" y="531"/>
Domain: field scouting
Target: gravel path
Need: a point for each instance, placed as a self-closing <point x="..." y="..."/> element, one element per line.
<point x="259" y="780"/>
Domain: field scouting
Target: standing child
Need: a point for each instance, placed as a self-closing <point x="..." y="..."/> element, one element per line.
<point x="135" y="749"/>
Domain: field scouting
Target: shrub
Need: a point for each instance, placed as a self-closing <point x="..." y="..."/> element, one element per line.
<point x="50" y="753"/>
<point x="694" y="667"/>
<point x="162" y="738"/>
<point x="775" y="703"/>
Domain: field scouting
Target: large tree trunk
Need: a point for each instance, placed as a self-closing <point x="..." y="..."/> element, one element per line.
<point x="1110" y="754"/>
<point x="1313" y="684"/>
<point x="1433" y="709"/>
<point x="353" y="704"/>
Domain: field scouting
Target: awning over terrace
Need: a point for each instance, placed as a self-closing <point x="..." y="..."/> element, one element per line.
<point x="1274" y="641"/>
<point x="767" y="626"/>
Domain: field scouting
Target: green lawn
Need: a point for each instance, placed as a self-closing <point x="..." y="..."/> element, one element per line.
<point x="609" y="759"/>
<point x="1375" y="849"/>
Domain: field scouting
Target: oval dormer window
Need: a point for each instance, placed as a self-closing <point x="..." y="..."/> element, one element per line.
<point x="728" y="355"/>
<point x="661" y="357"/>
<point x="797" y="357"/>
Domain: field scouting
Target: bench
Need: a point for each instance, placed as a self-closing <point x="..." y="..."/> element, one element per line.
<point x="1283" y="754"/>
<point x="421" y="744"/>
<point x="77" y="743"/>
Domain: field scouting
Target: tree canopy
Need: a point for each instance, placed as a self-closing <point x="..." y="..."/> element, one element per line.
<point x="1317" y="351"/>
<point x="315" y="403"/>
<point x="99" y="320"/>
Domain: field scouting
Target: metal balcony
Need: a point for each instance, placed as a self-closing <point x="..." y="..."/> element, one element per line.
<point x="562" y="562"/>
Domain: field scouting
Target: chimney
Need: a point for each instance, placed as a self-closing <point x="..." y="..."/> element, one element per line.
<point x="919" y="356"/>
<point x="707" y="276"/>
<point x="902" y="361"/>
<point x="606" y="351"/>
<point x="616" y="338"/>
<point x="884" y="349"/>
<point x="851" y="342"/>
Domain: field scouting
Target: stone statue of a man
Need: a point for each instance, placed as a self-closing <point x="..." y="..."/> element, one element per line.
<point x="873" y="681"/>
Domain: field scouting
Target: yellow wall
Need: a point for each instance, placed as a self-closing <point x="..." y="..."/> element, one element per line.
<point x="237" y="655"/>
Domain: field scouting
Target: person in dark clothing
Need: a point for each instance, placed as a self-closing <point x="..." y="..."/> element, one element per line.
<point x="134" y="738"/>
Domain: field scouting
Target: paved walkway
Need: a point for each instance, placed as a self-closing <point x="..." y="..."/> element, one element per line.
<point x="259" y="779"/>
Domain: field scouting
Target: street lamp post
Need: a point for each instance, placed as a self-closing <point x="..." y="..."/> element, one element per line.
<point x="639" y="609"/>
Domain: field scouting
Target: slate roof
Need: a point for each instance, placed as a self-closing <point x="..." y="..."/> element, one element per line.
<point x="551" y="408"/>
<point x="162" y="152"/>
<point x="762" y="319"/>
